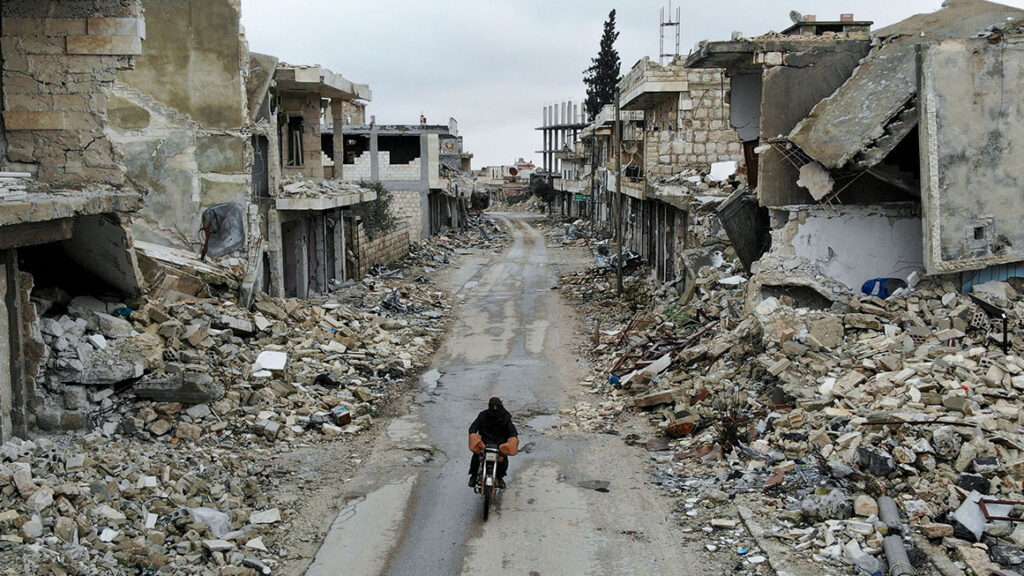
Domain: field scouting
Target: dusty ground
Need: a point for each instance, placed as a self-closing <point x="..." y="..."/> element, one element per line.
<point x="405" y="509"/>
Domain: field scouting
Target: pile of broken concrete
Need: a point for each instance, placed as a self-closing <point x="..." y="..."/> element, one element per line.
<point x="182" y="403"/>
<point x="860" y="432"/>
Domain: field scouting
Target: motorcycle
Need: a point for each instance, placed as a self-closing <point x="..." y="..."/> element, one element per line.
<point x="487" y="480"/>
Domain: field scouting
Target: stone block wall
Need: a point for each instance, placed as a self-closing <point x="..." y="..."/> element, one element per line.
<point x="59" y="61"/>
<point x="693" y="131"/>
<point x="382" y="249"/>
<point x="407" y="206"/>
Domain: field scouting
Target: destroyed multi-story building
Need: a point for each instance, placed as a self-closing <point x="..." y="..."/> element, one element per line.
<point x="141" y="137"/>
<point x="316" y="239"/>
<point x="66" y="213"/>
<point x="674" y="127"/>
<point x="879" y="154"/>
<point x="420" y="164"/>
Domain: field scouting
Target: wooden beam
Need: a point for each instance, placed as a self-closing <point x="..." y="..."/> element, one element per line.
<point x="30" y="234"/>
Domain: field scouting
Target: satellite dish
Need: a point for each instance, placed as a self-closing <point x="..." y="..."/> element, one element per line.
<point x="796" y="17"/>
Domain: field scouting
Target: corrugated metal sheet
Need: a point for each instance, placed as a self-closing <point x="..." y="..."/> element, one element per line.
<point x="990" y="274"/>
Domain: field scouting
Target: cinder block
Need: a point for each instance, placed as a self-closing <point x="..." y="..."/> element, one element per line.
<point x="117" y="27"/>
<point x="108" y="45"/>
<point x="26" y="120"/>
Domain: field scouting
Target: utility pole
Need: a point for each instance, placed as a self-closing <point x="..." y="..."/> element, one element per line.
<point x="618" y="193"/>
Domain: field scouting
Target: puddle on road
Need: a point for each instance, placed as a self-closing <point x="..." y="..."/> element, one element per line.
<point x="431" y="379"/>
<point x="544" y="422"/>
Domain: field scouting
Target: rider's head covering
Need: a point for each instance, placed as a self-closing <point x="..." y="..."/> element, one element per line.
<point x="497" y="409"/>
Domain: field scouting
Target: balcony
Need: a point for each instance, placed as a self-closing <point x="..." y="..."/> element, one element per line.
<point x="649" y="83"/>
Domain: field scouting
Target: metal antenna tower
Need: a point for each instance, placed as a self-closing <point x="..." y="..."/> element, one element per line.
<point x="669" y="22"/>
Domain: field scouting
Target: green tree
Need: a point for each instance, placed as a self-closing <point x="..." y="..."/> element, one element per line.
<point x="377" y="215"/>
<point x="603" y="75"/>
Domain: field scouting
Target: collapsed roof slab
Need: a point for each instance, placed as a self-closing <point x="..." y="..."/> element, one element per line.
<point x="319" y="80"/>
<point x="261" y="75"/>
<point x="48" y="206"/>
<point x="867" y="117"/>
<point x="860" y="112"/>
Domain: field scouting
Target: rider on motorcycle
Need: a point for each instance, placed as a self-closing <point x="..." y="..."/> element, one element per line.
<point x="492" y="427"/>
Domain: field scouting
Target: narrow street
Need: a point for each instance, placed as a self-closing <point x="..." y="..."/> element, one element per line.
<point x="411" y="511"/>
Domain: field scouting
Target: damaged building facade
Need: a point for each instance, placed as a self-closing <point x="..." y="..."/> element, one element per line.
<point x="66" y="213"/>
<point x="879" y="154"/>
<point x="675" y="129"/>
<point x="422" y="165"/>
<point x="315" y="236"/>
<point x="146" y="154"/>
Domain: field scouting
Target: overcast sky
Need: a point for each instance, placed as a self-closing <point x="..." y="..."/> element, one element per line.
<point x="493" y="64"/>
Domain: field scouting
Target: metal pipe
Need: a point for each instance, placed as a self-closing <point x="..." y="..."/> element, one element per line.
<point x="618" y="192"/>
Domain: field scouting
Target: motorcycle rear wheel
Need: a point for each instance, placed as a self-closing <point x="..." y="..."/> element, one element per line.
<point x="488" y="493"/>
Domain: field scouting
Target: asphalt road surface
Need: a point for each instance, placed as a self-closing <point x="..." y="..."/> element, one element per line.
<point x="410" y="513"/>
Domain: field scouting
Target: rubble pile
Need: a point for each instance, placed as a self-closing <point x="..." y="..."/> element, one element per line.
<point x="184" y="402"/>
<point x="167" y="478"/>
<point x="481" y="232"/>
<point x="815" y="415"/>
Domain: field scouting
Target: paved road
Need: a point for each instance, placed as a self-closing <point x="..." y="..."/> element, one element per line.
<point x="411" y="513"/>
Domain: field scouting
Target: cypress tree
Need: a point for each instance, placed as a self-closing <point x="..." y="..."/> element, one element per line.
<point x="603" y="74"/>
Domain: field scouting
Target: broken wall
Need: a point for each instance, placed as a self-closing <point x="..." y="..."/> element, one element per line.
<point x="792" y="84"/>
<point x="306" y="106"/>
<point x="179" y="117"/>
<point x="692" y="130"/>
<point x="972" y="134"/>
<point x="60" y="60"/>
<point x="846" y="244"/>
<point x="382" y="249"/>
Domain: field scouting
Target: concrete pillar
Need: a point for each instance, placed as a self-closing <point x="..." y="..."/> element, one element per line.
<point x="275" y="252"/>
<point x="338" y="117"/>
<point x="374" y="165"/>
<point x="6" y="360"/>
<point x="16" y="377"/>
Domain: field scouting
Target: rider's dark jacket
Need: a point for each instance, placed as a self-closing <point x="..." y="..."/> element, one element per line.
<point x="494" y="426"/>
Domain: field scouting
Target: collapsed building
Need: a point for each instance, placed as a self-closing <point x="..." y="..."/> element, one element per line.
<point x="66" y="214"/>
<point x="146" y="154"/>
<point x="675" y="128"/>
<point x="878" y="155"/>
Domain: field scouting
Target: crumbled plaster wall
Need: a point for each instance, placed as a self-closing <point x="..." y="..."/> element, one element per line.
<point x="693" y="130"/>
<point x="183" y="132"/>
<point x="353" y="113"/>
<point x="972" y="135"/>
<point x="60" y="60"/>
<point x="848" y="245"/>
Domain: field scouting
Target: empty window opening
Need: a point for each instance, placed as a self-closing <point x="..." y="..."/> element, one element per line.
<point x="355" y="146"/>
<point x="295" y="133"/>
<point x="979" y="232"/>
<point x="403" y="149"/>
<point x="327" y="144"/>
